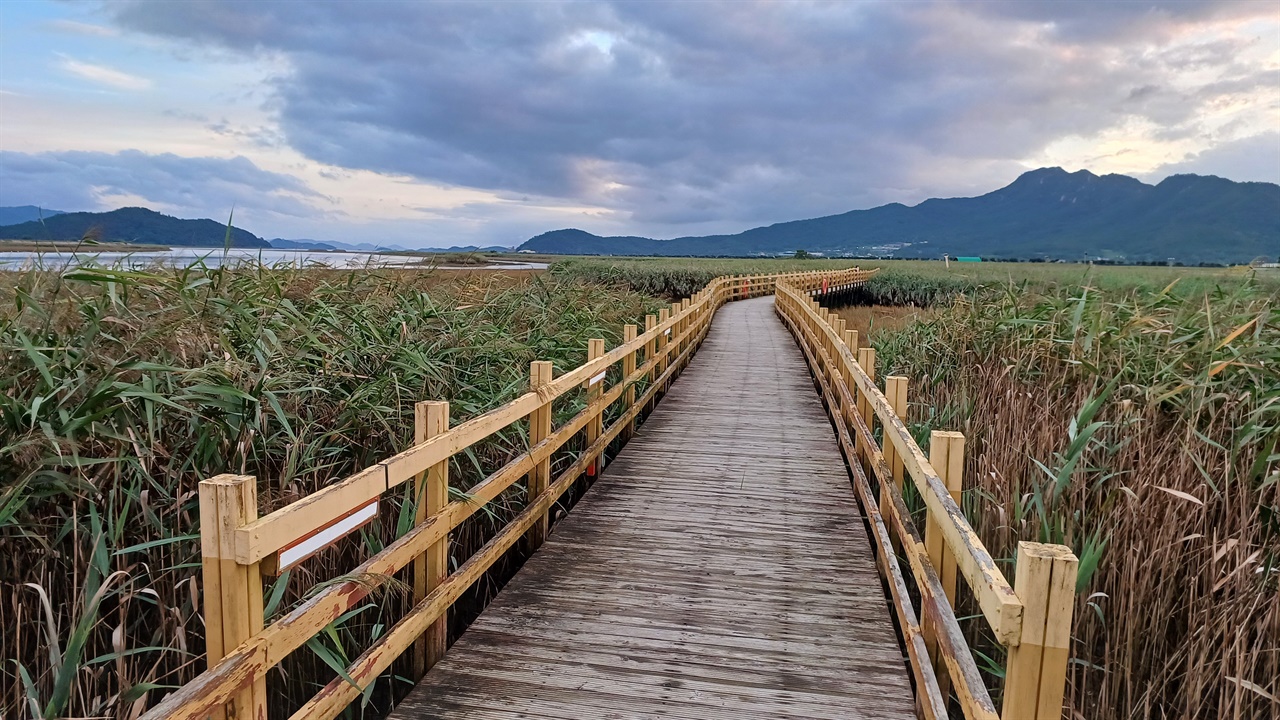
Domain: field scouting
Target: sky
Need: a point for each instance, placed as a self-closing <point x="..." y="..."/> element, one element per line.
<point x="438" y="124"/>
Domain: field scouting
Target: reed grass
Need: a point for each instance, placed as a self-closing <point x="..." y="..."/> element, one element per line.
<point x="677" y="278"/>
<point x="1138" y="426"/>
<point x="914" y="282"/>
<point x="121" y="390"/>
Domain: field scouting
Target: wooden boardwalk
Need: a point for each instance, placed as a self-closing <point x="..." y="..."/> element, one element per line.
<point x="719" y="569"/>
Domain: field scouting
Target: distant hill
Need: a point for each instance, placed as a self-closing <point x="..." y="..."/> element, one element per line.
<point x="1046" y="213"/>
<point x="305" y="244"/>
<point x="471" y="249"/>
<point x="283" y="244"/>
<point x="134" y="225"/>
<point x="25" y="213"/>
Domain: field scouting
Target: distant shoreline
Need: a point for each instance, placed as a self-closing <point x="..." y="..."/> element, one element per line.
<point x="74" y="246"/>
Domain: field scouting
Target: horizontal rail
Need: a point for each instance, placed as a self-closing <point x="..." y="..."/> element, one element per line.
<point x="245" y="545"/>
<point x="852" y="434"/>
<point x="995" y="595"/>
<point x="1032" y="620"/>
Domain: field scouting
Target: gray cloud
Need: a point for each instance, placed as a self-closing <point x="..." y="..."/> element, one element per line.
<point x="1255" y="158"/>
<point x="675" y="114"/>
<point x="208" y="186"/>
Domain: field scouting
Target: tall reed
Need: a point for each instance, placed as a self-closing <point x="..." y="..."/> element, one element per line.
<point x="121" y="390"/>
<point x="1139" y="427"/>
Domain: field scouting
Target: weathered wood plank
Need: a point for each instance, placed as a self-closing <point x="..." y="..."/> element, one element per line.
<point x="719" y="568"/>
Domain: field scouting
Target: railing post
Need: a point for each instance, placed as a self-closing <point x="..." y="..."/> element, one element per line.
<point x="540" y="373"/>
<point x="663" y="315"/>
<point x="232" y="592"/>
<point x="595" y="426"/>
<point x="1036" y="673"/>
<point x="851" y="342"/>
<point x="895" y="390"/>
<point x="946" y="455"/>
<point x="684" y="325"/>
<point x="629" y="333"/>
<point x="676" y="332"/>
<point x="867" y="359"/>
<point x="838" y="323"/>
<point x="431" y="493"/>
<point x="650" y="322"/>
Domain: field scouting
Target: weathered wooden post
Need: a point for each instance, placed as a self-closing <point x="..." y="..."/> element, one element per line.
<point x="1036" y="672"/>
<point x="650" y="322"/>
<point x="946" y="455"/>
<point x="595" y="387"/>
<point x="232" y="592"/>
<point x="838" y="324"/>
<point x="540" y="374"/>
<point x="685" y="325"/>
<point x="629" y="334"/>
<point x="663" y="315"/>
<point x="895" y="390"/>
<point x="867" y="359"/>
<point x="675" y="338"/>
<point x="431" y="493"/>
<point x="851" y="342"/>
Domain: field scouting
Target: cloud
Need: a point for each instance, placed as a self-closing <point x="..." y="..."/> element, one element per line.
<point x="672" y="115"/>
<point x="199" y="186"/>
<point x="103" y="75"/>
<point x="75" y="27"/>
<point x="1255" y="158"/>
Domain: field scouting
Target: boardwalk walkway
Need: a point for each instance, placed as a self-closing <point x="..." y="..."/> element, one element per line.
<point x="719" y="569"/>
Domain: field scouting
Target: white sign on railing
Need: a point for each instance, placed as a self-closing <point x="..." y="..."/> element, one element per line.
<point x="322" y="537"/>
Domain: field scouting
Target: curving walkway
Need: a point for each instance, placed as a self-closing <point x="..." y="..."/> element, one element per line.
<point x="718" y="569"/>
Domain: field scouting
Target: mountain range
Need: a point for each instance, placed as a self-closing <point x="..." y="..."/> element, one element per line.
<point x="25" y="213"/>
<point x="1044" y="214"/>
<point x="133" y="225"/>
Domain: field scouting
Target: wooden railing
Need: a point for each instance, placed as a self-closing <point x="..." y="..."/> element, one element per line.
<point x="1032" y="618"/>
<point x="238" y="547"/>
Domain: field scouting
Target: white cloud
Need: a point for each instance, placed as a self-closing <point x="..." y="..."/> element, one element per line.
<point x="75" y="27"/>
<point x="103" y="75"/>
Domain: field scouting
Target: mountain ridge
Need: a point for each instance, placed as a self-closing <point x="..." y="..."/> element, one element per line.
<point x="134" y="225"/>
<point x="16" y="214"/>
<point x="1047" y="213"/>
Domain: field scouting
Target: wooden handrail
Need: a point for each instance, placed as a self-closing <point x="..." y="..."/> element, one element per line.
<point x="1032" y="619"/>
<point x="242" y="546"/>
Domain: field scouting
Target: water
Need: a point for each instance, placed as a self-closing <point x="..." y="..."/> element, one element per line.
<point x="216" y="257"/>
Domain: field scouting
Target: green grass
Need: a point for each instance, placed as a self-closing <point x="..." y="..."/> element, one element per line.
<point x="121" y="390"/>
<point x="918" y="282"/>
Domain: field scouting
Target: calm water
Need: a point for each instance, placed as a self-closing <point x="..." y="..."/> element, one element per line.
<point x="215" y="257"/>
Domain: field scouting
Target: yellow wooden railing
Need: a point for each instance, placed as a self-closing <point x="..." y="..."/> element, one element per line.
<point x="238" y="547"/>
<point x="1032" y="618"/>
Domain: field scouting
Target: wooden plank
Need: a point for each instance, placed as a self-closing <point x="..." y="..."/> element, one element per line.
<point x="714" y="569"/>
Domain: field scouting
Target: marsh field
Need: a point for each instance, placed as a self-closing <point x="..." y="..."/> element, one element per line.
<point x="1131" y="413"/>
